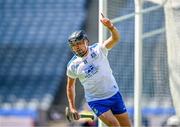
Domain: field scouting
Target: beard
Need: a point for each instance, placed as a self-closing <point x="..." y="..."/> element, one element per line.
<point x="81" y="53"/>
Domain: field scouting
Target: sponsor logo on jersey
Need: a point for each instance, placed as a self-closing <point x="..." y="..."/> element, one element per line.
<point x="90" y="70"/>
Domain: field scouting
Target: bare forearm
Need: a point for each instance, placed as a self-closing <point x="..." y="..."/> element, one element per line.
<point x="113" y="39"/>
<point x="115" y="36"/>
<point x="71" y="96"/>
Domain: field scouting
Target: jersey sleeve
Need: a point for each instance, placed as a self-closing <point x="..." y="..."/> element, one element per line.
<point x="103" y="49"/>
<point x="71" y="72"/>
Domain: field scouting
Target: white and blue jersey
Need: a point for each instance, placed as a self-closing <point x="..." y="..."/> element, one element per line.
<point x="94" y="73"/>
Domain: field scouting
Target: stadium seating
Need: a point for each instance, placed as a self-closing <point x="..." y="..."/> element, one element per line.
<point x="34" y="51"/>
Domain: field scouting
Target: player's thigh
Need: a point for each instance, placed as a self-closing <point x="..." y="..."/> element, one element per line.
<point x="123" y="119"/>
<point x="109" y="119"/>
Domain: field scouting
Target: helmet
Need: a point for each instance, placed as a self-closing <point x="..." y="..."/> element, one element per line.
<point x="76" y="37"/>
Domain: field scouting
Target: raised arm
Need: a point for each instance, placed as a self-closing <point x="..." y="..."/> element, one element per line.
<point x="70" y="89"/>
<point x="115" y="37"/>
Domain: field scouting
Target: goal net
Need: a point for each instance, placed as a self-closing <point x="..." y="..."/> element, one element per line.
<point x="172" y="16"/>
<point x="156" y="96"/>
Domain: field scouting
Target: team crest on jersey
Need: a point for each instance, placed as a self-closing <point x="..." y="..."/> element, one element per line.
<point x="93" y="54"/>
<point x="90" y="70"/>
<point x="85" y="61"/>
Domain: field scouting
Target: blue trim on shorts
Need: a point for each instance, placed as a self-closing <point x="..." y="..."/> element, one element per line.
<point x="114" y="103"/>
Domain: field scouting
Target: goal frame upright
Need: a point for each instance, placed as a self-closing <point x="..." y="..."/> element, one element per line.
<point x="102" y="35"/>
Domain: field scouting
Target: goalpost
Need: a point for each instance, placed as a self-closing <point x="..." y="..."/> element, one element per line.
<point x="102" y="34"/>
<point x="140" y="61"/>
<point x="138" y="52"/>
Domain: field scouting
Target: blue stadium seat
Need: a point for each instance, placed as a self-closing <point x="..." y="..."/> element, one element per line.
<point x="34" y="51"/>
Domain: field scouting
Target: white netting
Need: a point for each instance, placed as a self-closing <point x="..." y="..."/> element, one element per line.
<point x="172" y="14"/>
<point x="156" y="96"/>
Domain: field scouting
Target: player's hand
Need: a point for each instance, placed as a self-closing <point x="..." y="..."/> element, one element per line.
<point x="74" y="114"/>
<point x="106" y="22"/>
